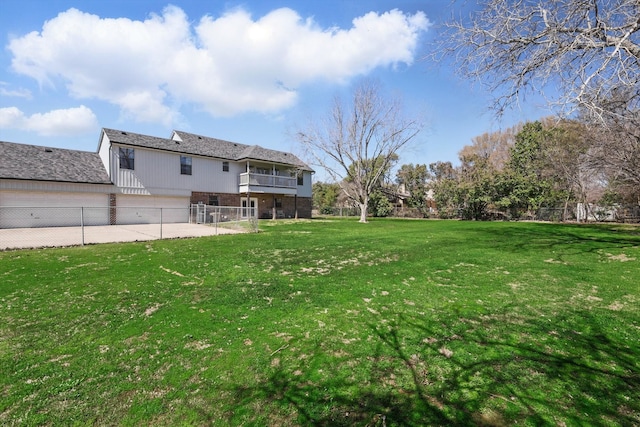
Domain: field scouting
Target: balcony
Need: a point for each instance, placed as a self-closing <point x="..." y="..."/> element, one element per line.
<point x="261" y="183"/>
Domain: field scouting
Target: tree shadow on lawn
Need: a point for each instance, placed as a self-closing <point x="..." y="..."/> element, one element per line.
<point x="567" y="239"/>
<point x="420" y="373"/>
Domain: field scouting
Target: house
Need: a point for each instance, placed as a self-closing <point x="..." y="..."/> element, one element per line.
<point x="52" y="178"/>
<point x="131" y="170"/>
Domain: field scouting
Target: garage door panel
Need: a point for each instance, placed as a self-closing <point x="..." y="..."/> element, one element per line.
<point x="151" y="209"/>
<point x="39" y="209"/>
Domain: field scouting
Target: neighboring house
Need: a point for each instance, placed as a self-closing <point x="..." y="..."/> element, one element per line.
<point x="134" y="170"/>
<point x="397" y="195"/>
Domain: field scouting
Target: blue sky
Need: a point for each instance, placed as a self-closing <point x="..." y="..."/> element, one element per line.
<point x="247" y="71"/>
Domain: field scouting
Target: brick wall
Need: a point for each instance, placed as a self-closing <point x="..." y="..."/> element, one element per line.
<point x="304" y="207"/>
<point x="224" y="199"/>
<point x="265" y="203"/>
<point x="113" y="203"/>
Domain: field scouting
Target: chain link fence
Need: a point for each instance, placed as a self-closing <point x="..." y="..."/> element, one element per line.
<point x="235" y="218"/>
<point x="410" y="213"/>
<point x="36" y="227"/>
<point x="336" y="211"/>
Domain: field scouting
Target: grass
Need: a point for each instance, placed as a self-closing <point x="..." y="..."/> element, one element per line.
<point x="328" y="322"/>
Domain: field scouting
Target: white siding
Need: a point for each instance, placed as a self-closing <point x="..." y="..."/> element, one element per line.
<point x="305" y="189"/>
<point x="50" y="186"/>
<point x="22" y="209"/>
<point x="105" y="153"/>
<point x="158" y="172"/>
<point x="133" y="209"/>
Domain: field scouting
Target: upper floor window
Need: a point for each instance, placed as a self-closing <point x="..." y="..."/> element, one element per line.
<point x="127" y="157"/>
<point x="225" y="166"/>
<point x="185" y="165"/>
<point x="300" y="178"/>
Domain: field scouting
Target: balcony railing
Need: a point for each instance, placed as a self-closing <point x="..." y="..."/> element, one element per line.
<point x="261" y="180"/>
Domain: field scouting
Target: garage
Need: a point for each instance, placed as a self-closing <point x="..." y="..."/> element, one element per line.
<point x="136" y="209"/>
<point x="26" y="209"/>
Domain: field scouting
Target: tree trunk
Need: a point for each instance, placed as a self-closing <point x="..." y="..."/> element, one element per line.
<point x="363" y="211"/>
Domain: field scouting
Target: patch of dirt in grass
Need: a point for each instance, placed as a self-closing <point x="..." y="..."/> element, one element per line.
<point x="315" y="270"/>
<point x="322" y="265"/>
<point x="157" y="393"/>
<point x="73" y="267"/>
<point x="616" y="306"/>
<point x="285" y="336"/>
<point x="515" y="286"/>
<point x="625" y="411"/>
<point x="340" y="354"/>
<point x="197" y="345"/>
<point x="621" y="257"/>
<point x="141" y="338"/>
<point x="60" y="359"/>
<point x="489" y="418"/>
<point x="149" y="311"/>
<point x="464" y="264"/>
<point x="445" y="352"/>
<point x="175" y="273"/>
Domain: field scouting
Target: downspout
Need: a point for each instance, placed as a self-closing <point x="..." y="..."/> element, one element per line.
<point x="273" y="207"/>
<point x="248" y="191"/>
<point x="273" y="181"/>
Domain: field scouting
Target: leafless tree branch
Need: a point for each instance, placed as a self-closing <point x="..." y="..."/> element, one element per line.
<point x="576" y="52"/>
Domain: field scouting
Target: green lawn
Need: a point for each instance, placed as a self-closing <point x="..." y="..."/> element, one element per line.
<point x="328" y="322"/>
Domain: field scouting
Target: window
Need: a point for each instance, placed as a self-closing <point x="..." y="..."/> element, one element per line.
<point x="213" y="201"/>
<point x="278" y="203"/>
<point x="300" y="178"/>
<point x="127" y="157"/>
<point x="225" y="166"/>
<point x="185" y="165"/>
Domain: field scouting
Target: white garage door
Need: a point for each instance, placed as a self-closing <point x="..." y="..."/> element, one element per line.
<point x="27" y="209"/>
<point x="151" y="209"/>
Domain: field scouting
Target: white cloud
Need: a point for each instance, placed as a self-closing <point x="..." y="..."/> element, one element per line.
<point x="17" y="93"/>
<point x="225" y="65"/>
<point x="64" y="122"/>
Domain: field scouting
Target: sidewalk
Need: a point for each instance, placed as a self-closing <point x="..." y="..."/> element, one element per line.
<point x="22" y="238"/>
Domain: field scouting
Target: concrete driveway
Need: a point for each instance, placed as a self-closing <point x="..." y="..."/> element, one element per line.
<point x="20" y="238"/>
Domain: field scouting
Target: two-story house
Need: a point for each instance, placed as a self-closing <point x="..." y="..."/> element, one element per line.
<point x="134" y="170"/>
<point x="192" y="169"/>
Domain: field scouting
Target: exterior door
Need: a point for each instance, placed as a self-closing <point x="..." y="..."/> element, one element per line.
<point x="253" y="204"/>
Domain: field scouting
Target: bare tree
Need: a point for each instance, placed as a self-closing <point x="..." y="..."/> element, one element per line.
<point x="357" y="142"/>
<point x="615" y="150"/>
<point x="494" y="146"/>
<point x="584" y="49"/>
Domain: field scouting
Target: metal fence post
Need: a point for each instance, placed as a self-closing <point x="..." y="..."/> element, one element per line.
<point x="82" y="224"/>
<point x="160" y="223"/>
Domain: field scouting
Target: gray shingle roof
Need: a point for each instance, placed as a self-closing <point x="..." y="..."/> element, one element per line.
<point x="33" y="162"/>
<point x="189" y="143"/>
<point x="236" y="151"/>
